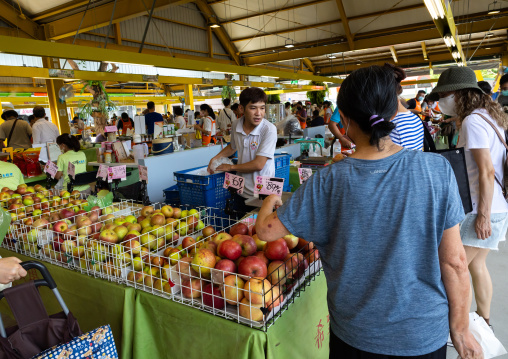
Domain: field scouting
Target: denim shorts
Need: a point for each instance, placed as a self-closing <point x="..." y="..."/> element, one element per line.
<point x="499" y="224"/>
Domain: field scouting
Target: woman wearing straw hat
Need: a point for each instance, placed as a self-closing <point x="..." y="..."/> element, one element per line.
<point x="480" y="119"/>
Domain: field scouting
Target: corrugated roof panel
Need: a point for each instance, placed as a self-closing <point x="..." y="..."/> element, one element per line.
<point x="390" y="20"/>
<point x="239" y="8"/>
<point x="187" y="13"/>
<point x="217" y="46"/>
<point x="360" y="7"/>
<point x="20" y="60"/>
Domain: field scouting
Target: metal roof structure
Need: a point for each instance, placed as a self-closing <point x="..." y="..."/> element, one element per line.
<point x="326" y="37"/>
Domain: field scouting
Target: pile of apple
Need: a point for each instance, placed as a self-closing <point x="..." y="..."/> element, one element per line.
<point x="236" y="268"/>
<point x="33" y="201"/>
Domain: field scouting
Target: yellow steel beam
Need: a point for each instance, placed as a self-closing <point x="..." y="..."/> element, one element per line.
<point x="424" y="50"/>
<point x="309" y="64"/>
<point x="211" y="18"/>
<point x="57" y="108"/>
<point x="15" y="89"/>
<point x="60" y="9"/>
<point x="345" y="24"/>
<point x="60" y="50"/>
<point x="178" y="22"/>
<point x="7" y="31"/>
<point x="189" y="95"/>
<point x="400" y="37"/>
<point x="11" y="15"/>
<point x="210" y="41"/>
<point x="118" y="34"/>
<point x="101" y="15"/>
<point x="394" y="54"/>
<point x="406" y="61"/>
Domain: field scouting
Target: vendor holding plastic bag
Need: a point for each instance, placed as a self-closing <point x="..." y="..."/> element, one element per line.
<point x="254" y="138"/>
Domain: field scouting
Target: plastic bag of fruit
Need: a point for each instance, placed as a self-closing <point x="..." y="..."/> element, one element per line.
<point x="103" y="199"/>
<point x="31" y="158"/>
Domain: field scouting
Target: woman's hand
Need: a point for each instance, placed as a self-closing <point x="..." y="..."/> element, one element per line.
<point x="345" y="142"/>
<point x="483" y="226"/>
<point x="10" y="270"/>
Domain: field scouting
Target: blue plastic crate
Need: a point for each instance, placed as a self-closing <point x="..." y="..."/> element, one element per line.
<point x="282" y="170"/>
<point x="281" y="160"/>
<point x="204" y="191"/>
<point x="172" y="195"/>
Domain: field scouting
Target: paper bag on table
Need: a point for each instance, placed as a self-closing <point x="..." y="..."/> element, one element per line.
<point x="491" y="346"/>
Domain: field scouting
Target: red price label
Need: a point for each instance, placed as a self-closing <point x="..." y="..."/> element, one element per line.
<point x="234" y="181"/>
<point x="51" y="168"/>
<point x="304" y="174"/>
<point x="71" y="170"/>
<point x="143" y="173"/>
<point x="268" y="185"/>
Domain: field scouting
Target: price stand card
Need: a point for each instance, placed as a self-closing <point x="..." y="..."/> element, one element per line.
<point x="71" y="170"/>
<point x="143" y="173"/>
<point x="234" y="181"/>
<point x="267" y="186"/>
<point x="110" y="129"/>
<point x="304" y="174"/>
<point x="117" y="172"/>
<point x="51" y="168"/>
<point x="103" y="172"/>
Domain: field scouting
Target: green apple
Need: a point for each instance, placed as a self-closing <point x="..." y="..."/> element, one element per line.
<point x="194" y="212"/>
<point x="131" y="219"/>
<point x="138" y="263"/>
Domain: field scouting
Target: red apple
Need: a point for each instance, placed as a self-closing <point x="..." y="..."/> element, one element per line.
<point x="261" y="255"/>
<point x="192" y="288"/>
<point x="229" y="249"/>
<point x="212" y="297"/>
<point x="276" y="250"/>
<point x="208" y="231"/>
<point x="60" y="227"/>
<point x="227" y="266"/>
<point x="188" y="242"/>
<point x="247" y="243"/>
<point x="253" y="267"/>
<point x="239" y="228"/>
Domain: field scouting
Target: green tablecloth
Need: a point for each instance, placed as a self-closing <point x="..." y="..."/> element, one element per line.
<point x="148" y="326"/>
<point x="165" y="329"/>
<point x="94" y="302"/>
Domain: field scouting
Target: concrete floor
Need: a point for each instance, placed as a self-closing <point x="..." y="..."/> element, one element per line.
<point x="497" y="262"/>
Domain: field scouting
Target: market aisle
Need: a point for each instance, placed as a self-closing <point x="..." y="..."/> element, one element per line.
<point x="498" y="266"/>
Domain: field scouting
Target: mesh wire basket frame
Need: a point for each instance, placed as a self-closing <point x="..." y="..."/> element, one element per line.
<point x="285" y="297"/>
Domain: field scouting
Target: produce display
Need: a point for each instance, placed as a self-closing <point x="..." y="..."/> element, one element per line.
<point x="185" y="254"/>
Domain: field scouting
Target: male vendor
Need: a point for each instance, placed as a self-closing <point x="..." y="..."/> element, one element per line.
<point x="254" y="138"/>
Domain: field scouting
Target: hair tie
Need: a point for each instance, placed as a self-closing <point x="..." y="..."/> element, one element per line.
<point x="376" y="122"/>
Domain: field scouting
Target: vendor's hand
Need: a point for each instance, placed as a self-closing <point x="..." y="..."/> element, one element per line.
<point x="345" y="142"/>
<point x="209" y="169"/>
<point x="277" y="201"/>
<point x="466" y="345"/>
<point x="482" y="226"/>
<point x="10" y="270"/>
<point x="225" y="168"/>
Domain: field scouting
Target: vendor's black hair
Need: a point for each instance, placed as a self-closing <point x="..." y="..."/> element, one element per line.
<point x="503" y="80"/>
<point x="234" y="106"/>
<point x="178" y="111"/>
<point x="68" y="140"/>
<point x="315" y="113"/>
<point x="252" y="95"/>
<point x="75" y="118"/>
<point x="39" y="112"/>
<point x="226" y="102"/>
<point x="207" y="108"/>
<point x="367" y="92"/>
<point x="197" y="114"/>
<point x="421" y="91"/>
<point x="125" y="116"/>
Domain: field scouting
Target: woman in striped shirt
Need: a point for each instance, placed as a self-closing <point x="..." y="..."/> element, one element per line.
<point x="408" y="130"/>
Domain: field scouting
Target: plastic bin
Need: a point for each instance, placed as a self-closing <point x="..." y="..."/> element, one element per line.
<point x="197" y="190"/>
<point x="172" y="195"/>
<point x="282" y="169"/>
<point x="305" y="146"/>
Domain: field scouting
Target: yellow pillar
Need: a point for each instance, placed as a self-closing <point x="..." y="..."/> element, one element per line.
<point x="189" y="96"/>
<point x="479" y="75"/>
<point x="58" y="110"/>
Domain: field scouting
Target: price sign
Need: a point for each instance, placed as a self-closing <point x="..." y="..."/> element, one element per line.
<point x="304" y="174"/>
<point x="143" y="173"/>
<point x="268" y="185"/>
<point x="51" y="168"/>
<point x="234" y="181"/>
<point x="102" y="172"/>
<point x="110" y="129"/>
<point x="117" y="172"/>
<point x="71" y="170"/>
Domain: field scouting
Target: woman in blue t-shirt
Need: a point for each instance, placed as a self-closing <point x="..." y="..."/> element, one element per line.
<point x="386" y="223"/>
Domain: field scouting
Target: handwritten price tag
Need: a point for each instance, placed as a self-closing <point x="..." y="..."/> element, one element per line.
<point x="110" y="129"/>
<point x="268" y="185"/>
<point x="51" y="168"/>
<point x="304" y="174"/>
<point x="71" y="170"/>
<point x="102" y="172"/>
<point x="117" y="172"/>
<point x="143" y="173"/>
<point x="234" y="181"/>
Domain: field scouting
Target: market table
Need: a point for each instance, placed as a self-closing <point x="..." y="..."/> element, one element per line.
<point x="94" y="302"/>
<point x="148" y="326"/>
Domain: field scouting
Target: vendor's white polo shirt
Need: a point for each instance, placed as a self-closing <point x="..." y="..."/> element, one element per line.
<point x="260" y="142"/>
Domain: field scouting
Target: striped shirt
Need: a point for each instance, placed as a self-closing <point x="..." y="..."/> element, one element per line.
<point x="408" y="131"/>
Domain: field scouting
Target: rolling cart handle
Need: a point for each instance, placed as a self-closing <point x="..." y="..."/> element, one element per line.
<point x="47" y="281"/>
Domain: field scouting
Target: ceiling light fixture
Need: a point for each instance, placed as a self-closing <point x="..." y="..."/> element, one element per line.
<point x="489" y="34"/>
<point x="227" y="73"/>
<point x="214" y="26"/>
<point x="289" y="45"/>
<point x="493" y="8"/>
<point x="449" y="40"/>
<point x="332" y="56"/>
<point x="435" y="8"/>
<point x="456" y="54"/>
